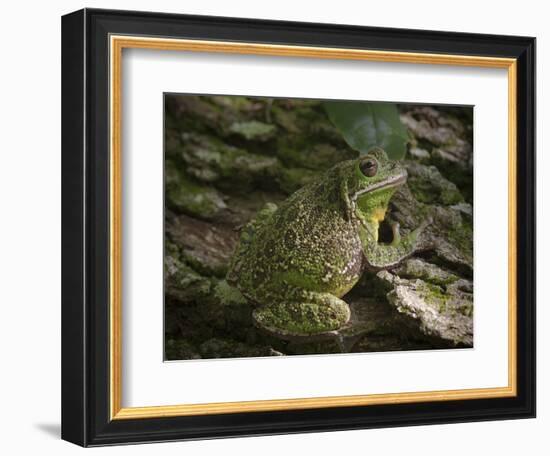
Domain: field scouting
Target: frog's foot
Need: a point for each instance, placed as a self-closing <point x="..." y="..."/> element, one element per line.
<point x="320" y="314"/>
<point x="414" y="235"/>
<point x="386" y="255"/>
<point x="395" y="233"/>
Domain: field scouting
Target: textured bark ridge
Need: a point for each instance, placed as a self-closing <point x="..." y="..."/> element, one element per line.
<point x="225" y="157"/>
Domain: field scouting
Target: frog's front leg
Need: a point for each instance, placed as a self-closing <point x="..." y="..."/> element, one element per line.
<point x="386" y="255"/>
<point x="395" y="233"/>
<point x="314" y="313"/>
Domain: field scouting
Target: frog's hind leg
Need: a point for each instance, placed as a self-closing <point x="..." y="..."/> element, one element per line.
<point x="313" y="314"/>
<point x="246" y="237"/>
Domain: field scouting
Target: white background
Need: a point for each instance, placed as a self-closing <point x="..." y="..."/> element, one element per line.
<point x="147" y="74"/>
<point x="30" y="229"/>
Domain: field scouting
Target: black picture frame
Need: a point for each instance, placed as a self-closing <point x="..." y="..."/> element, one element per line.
<point x="85" y="228"/>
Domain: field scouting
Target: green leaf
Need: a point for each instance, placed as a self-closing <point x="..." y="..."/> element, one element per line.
<point x="365" y="125"/>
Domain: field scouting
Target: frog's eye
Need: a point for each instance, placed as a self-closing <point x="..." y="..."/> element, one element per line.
<point x="369" y="167"/>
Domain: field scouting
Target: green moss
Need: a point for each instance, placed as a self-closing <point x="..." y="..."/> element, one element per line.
<point x="419" y="269"/>
<point x="422" y="190"/>
<point x="171" y="249"/>
<point x="307" y="152"/>
<point x="447" y="281"/>
<point x="211" y="160"/>
<point x="461" y="178"/>
<point x="190" y="197"/>
<point x="435" y="291"/>
<point x="462" y="237"/>
<point x="183" y="283"/>
<point x="285" y="118"/>
<point x="228" y="295"/>
<point x="429" y="186"/>
<point x="253" y="130"/>
<point x="426" y="192"/>
<point x="434" y="296"/>
<point x="467" y="310"/>
<point x="231" y="102"/>
<point x="450" y="196"/>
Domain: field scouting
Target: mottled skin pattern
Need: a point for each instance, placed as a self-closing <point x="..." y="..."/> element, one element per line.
<point x="296" y="261"/>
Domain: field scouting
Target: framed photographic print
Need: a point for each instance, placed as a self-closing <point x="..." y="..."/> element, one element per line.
<point x="275" y="227"/>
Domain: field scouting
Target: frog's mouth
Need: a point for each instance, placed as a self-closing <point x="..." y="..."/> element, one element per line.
<point x="395" y="181"/>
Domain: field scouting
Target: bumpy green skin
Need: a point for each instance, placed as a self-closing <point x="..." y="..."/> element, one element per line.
<point x="296" y="261"/>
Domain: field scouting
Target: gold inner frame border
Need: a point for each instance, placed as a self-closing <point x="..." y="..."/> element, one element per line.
<point x="116" y="46"/>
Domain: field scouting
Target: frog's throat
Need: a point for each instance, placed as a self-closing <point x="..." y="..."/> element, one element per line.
<point x="375" y="210"/>
<point x="394" y="181"/>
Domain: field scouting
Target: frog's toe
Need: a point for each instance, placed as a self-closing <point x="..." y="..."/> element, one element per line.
<point x="395" y="233"/>
<point x="298" y="319"/>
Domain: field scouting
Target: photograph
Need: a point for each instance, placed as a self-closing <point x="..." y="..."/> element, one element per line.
<point x="316" y="227"/>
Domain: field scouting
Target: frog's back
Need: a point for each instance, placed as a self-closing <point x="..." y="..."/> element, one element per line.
<point x="306" y="243"/>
